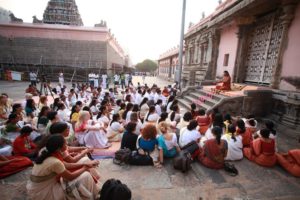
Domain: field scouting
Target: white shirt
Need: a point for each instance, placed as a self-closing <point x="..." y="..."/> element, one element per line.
<point x="169" y="107"/>
<point x="144" y="110"/>
<point x="152" y="117"/>
<point x="235" y="148"/>
<point x="138" y="98"/>
<point x="188" y="136"/>
<point x="32" y="76"/>
<point x="128" y="116"/>
<point x="114" y="127"/>
<point x="171" y="143"/>
<point x="158" y="109"/>
<point x="116" y="77"/>
<point x="104" y="77"/>
<point x="63" y="117"/>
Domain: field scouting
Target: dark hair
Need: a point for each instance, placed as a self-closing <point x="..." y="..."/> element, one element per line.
<point x="104" y="102"/>
<point x="171" y="98"/>
<point x="60" y="106"/>
<point x="73" y="110"/>
<point x="79" y="103"/>
<point x="15" y="107"/>
<point x="43" y="110"/>
<point x="241" y="125"/>
<point x="130" y="127"/>
<point x="51" y="115"/>
<point x="143" y="101"/>
<point x="128" y="108"/>
<point x="265" y="133"/>
<point x="193" y="106"/>
<point x="159" y="101"/>
<point x="26" y="130"/>
<point x="29" y="103"/>
<point x="151" y="110"/>
<point x="115" y="118"/>
<point x="93" y="102"/>
<point x="114" y="190"/>
<point x="55" y="103"/>
<point x="226" y="73"/>
<point x="227" y="117"/>
<point x="101" y="111"/>
<point x="163" y="117"/>
<point x="232" y="129"/>
<point x="53" y="144"/>
<point x="187" y="116"/>
<point x="270" y="125"/>
<point x="174" y="104"/>
<point x="173" y="114"/>
<point x="217" y="131"/>
<point x="122" y="106"/>
<point x="218" y="120"/>
<point x="11" y="117"/>
<point x="58" y="128"/>
<point x="118" y="102"/>
<point x="128" y="98"/>
<point x="252" y="122"/>
<point x="135" y="108"/>
<point x="201" y="112"/>
<point x="192" y="125"/>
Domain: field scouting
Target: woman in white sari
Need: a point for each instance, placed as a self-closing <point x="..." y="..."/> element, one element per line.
<point x="90" y="133"/>
<point x="51" y="180"/>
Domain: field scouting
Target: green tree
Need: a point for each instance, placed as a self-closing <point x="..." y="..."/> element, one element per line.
<point x="147" y="66"/>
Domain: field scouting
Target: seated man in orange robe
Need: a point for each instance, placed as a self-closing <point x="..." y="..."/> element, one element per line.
<point x="290" y="161"/>
<point x="226" y="82"/>
<point x="262" y="150"/>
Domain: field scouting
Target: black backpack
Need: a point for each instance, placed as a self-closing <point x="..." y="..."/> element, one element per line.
<point x="183" y="161"/>
<point x="122" y="156"/>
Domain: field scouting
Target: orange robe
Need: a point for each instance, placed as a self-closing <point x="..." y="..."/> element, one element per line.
<point x="261" y="152"/>
<point x="226" y="85"/>
<point x="247" y="137"/>
<point x="203" y="122"/>
<point x="290" y="162"/>
<point x="15" y="167"/>
<point x="212" y="156"/>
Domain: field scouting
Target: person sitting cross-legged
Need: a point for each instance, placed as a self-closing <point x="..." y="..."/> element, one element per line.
<point x="290" y="161"/>
<point x="23" y="146"/>
<point x="262" y="150"/>
<point x="129" y="137"/>
<point x="214" y="151"/>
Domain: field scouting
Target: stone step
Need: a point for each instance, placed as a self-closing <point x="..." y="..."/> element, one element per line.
<point x="197" y="102"/>
<point x="207" y="100"/>
<point x="216" y="97"/>
<point x="186" y="103"/>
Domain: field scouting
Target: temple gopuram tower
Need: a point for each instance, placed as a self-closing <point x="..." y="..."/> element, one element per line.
<point x="62" y="12"/>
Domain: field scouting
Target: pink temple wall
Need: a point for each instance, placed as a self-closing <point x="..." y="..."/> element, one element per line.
<point x="228" y="45"/>
<point x="53" y="32"/>
<point x="291" y="57"/>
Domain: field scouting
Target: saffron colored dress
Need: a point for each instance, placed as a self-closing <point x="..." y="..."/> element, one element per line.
<point x="14" y="166"/>
<point x="261" y="152"/>
<point x="290" y="162"/>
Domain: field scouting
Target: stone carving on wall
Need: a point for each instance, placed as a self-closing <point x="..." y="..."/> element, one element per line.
<point x="101" y="24"/>
<point x="15" y="19"/>
<point x="36" y="20"/>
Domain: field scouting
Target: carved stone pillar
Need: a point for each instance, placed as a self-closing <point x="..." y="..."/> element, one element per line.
<point x="288" y="7"/>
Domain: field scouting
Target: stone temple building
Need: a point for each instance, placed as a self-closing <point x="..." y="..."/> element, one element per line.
<point x="60" y="42"/>
<point x="62" y="12"/>
<point x="257" y="42"/>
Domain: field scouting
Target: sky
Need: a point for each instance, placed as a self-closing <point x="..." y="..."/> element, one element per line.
<point x="144" y="28"/>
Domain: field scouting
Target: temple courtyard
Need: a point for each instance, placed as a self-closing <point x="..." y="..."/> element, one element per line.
<point x="146" y="182"/>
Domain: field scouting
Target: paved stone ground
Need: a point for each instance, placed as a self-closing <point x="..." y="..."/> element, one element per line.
<point x="253" y="182"/>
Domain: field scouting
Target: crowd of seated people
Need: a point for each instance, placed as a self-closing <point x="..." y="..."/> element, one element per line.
<point x="57" y="138"/>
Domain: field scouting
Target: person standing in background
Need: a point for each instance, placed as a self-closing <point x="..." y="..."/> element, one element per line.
<point x="32" y="78"/>
<point x="61" y="79"/>
<point x="104" y="78"/>
<point x="96" y="80"/>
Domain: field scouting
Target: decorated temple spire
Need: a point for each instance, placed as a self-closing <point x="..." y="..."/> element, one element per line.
<point x="62" y="12"/>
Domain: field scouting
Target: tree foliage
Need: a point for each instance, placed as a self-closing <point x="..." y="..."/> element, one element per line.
<point x="146" y="66"/>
